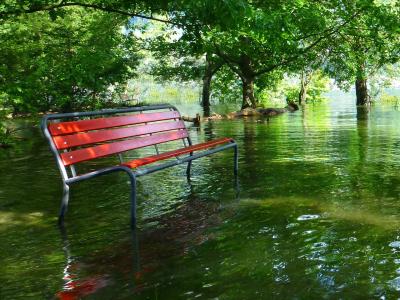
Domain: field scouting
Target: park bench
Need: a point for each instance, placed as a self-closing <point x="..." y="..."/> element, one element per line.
<point x="78" y="137"/>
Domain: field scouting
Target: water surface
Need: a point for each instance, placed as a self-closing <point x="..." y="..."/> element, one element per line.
<point x="317" y="216"/>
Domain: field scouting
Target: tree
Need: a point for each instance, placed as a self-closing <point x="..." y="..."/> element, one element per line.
<point x="305" y="79"/>
<point x="277" y="36"/>
<point x="67" y="61"/>
<point x="191" y="55"/>
<point x="365" y="45"/>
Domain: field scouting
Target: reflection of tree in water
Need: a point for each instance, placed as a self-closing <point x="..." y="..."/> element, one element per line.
<point x="373" y="159"/>
<point x="362" y="132"/>
<point x="209" y="131"/>
<point x="249" y="151"/>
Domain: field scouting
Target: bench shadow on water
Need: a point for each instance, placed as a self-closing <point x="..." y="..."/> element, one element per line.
<point x="318" y="216"/>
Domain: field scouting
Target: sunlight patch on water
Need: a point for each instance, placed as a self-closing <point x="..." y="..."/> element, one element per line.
<point x="330" y="210"/>
<point x="8" y="219"/>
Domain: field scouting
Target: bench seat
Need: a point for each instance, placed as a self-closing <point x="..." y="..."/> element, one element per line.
<point x="135" y="163"/>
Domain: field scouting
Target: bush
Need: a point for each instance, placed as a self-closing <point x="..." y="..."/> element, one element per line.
<point x="390" y="99"/>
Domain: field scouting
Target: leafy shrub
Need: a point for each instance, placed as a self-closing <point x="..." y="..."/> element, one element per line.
<point x="390" y="99"/>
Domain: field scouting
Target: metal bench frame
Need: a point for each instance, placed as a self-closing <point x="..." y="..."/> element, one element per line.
<point x="133" y="174"/>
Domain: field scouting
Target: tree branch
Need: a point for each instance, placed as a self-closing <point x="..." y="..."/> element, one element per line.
<point x="306" y="49"/>
<point x="226" y="59"/>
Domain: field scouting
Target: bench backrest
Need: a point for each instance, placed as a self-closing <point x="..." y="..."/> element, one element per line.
<point x="81" y="140"/>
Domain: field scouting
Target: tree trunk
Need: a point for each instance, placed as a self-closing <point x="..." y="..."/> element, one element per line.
<point x="303" y="89"/>
<point x="302" y="93"/>
<point x="361" y="85"/>
<point x="205" y="97"/>
<point x="305" y="79"/>
<point x="362" y="91"/>
<point x="212" y="66"/>
<point x="247" y="75"/>
<point x="249" y="100"/>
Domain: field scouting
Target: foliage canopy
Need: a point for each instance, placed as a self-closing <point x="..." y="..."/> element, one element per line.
<point x="68" y="54"/>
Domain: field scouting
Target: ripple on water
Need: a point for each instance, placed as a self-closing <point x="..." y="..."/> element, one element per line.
<point x="265" y="229"/>
<point x="291" y="225"/>
<point x="395" y="283"/>
<point x="308" y="217"/>
<point x="307" y="232"/>
<point x="320" y="245"/>
<point x="395" y="244"/>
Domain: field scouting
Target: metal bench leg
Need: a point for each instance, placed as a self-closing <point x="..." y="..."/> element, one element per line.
<point x="133" y="199"/>
<point x="236" y="160"/>
<point x="189" y="166"/>
<point x="64" y="204"/>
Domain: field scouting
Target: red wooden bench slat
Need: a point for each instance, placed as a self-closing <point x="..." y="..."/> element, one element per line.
<point x="102" y="123"/>
<point x="92" y="137"/>
<point x="76" y="156"/>
<point x="150" y="159"/>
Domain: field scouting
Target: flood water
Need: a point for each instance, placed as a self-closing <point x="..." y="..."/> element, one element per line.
<point x="316" y="215"/>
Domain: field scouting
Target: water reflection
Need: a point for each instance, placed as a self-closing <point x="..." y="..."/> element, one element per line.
<point x="170" y="236"/>
<point x="81" y="278"/>
<point x="362" y="112"/>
